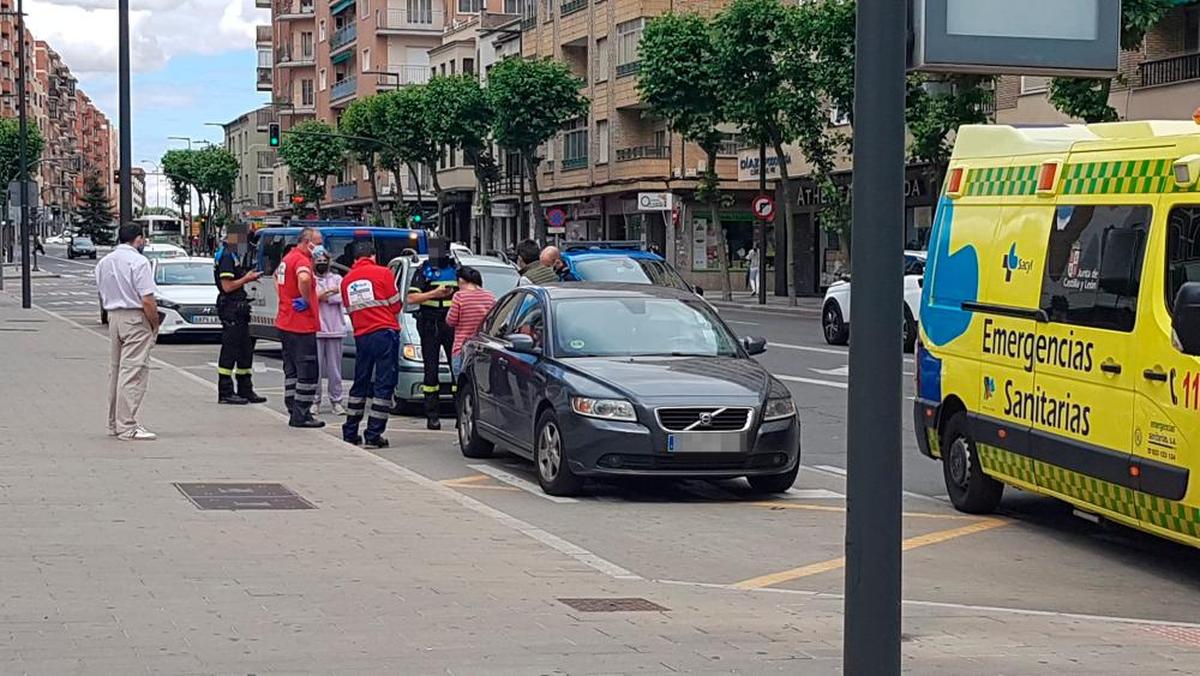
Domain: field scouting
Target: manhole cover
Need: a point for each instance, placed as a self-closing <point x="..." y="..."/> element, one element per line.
<point x="624" y="605"/>
<point x="230" y="496"/>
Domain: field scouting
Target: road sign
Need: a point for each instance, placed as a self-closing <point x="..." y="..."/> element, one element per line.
<point x="655" y="201"/>
<point x="556" y="217"/>
<point x="764" y="208"/>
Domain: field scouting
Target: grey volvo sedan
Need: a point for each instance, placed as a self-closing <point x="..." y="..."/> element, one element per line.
<point x="595" y="380"/>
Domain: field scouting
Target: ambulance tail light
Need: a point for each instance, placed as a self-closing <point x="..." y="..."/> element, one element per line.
<point x="1186" y="171"/>
<point x="1047" y="183"/>
<point x="954" y="183"/>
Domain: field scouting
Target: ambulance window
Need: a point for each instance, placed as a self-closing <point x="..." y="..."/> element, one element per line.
<point x="1094" y="265"/>
<point x="1183" y="250"/>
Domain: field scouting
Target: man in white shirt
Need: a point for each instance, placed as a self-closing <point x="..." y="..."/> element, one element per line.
<point x="126" y="285"/>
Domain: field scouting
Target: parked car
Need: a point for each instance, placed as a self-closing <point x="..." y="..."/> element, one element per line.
<point x="622" y="262"/>
<point x="159" y="250"/>
<point x="835" y="311"/>
<point x="612" y="380"/>
<point x="81" y="247"/>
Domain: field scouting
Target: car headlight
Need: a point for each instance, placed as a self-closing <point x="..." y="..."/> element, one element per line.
<point x="412" y="352"/>
<point x="607" y="409"/>
<point x="778" y="409"/>
<point x="170" y="305"/>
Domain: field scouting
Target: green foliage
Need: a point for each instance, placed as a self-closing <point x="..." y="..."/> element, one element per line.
<point x="95" y="216"/>
<point x="460" y="115"/>
<point x="178" y="167"/>
<point x="312" y="153"/>
<point x="10" y="135"/>
<point x="677" y="77"/>
<point x="753" y="36"/>
<point x="532" y="99"/>
<point x="408" y="127"/>
<point x="216" y="171"/>
<point x="935" y="110"/>
<point x="1087" y="98"/>
<point x="364" y="118"/>
<point x="829" y="25"/>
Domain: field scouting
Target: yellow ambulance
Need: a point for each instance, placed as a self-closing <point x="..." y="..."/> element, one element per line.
<point x="1060" y="321"/>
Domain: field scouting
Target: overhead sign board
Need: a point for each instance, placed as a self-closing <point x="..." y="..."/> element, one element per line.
<point x="655" y="201"/>
<point x="1063" y="37"/>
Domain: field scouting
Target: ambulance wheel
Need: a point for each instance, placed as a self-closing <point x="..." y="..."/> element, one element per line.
<point x="910" y="331"/>
<point x="833" y="325"/>
<point x="970" y="490"/>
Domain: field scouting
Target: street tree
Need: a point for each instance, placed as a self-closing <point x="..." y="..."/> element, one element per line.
<point x="460" y="118"/>
<point x="10" y="135"/>
<point x="1087" y="98"/>
<point x="936" y="108"/>
<point x="95" y="216"/>
<point x="411" y="137"/>
<point x="363" y="119"/>
<point x="678" y="81"/>
<point x="216" y="176"/>
<point x="312" y="152"/>
<point x="179" y="169"/>
<point x="532" y="99"/>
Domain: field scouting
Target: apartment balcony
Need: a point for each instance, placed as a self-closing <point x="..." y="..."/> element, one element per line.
<point x="342" y="192"/>
<point x="264" y="79"/>
<point x="643" y="153"/>
<point x="262" y="4"/>
<point x="285" y="58"/>
<point x="401" y="20"/>
<point x="290" y="10"/>
<point x="575" y="163"/>
<point x="529" y="22"/>
<point x="1170" y="70"/>
<point x="571" y="6"/>
<point x="262" y="36"/>
<point x="344" y="89"/>
<point x="401" y="74"/>
<point x="343" y="36"/>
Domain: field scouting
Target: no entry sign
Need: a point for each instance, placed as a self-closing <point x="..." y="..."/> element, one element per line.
<point x="764" y="208"/>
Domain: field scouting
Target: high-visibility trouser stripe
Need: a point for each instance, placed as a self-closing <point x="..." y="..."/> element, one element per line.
<point x="355" y="407"/>
<point x="430" y="389"/>
<point x="306" y="392"/>
<point x="378" y="413"/>
<point x="224" y="372"/>
<point x="243" y="372"/>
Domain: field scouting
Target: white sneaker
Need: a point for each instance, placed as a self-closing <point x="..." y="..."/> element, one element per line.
<point x="138" y="434"/>
<point x="316" y="409"/>
<point x="338" y="409"/>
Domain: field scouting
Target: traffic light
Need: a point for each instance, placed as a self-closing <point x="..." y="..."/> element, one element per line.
<point x="273" y="134"/>
<point x="416" y="219"/>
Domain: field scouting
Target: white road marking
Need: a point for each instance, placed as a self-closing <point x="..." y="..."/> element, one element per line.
<point x="814" y="381"/>
<point x="828" y="469"/>
<point x="843" y="371"/>
<point x="735" y="321"/>
<point x="811" y="494"/>
<point x="518" y="482"/>
<point x="807" y="348"/>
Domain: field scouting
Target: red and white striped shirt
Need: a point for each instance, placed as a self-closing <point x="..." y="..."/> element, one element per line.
<point x="466" y="314"/>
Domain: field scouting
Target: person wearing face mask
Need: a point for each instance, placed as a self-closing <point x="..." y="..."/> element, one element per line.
<point x="297" y="322"/>
<point x="236" y="359"/>
<point x="431" y="289"/>
<point x="331" y="333"/>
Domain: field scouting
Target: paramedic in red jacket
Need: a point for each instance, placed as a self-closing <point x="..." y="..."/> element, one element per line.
<point x="371" y="299"/>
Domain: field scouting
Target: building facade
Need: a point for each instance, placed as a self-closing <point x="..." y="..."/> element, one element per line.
<point x="138" y="187"/>
<point x="246" y="139"/>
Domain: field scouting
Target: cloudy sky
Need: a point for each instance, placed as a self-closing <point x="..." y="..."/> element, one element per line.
<point x="193" y="62"/>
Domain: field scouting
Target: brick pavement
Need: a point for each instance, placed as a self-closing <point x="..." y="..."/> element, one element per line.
<point x="105" y="568"/>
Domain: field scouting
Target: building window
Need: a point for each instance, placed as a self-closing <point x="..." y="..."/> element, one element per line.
<point x="629" y="33"/>
<point x="1191" y="30"/>
<point x="321" y="30"/>
<point x="602" y="58"/>
<point x="512" y="6"/>
<point x="575" y="144"/>
<point x="529" y="10"/>
<point x="469" y="6"/>
<point x="602" y="141"/>
<point x="363" y="8"/>
<point x="265" y="184"/>
<point x="1034" y="84"/>
<point x="306" y="45"/>
<point x="322" y="79"/>
<point x="468" y="66"/>
<point x="264" y="58"/>
<point x="366" y="60"/>
<point x="306" y="92"/>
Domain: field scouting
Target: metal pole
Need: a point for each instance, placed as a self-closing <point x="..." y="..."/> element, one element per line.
<point x="126" y="152"/>
<point x="23" y="158"/>
<point x="762" y="226"/>
<point x="873" y="499"/>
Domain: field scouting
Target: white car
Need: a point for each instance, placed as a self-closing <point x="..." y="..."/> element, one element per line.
<point x="159" y="251"/>
<point x="835" y="311"/>
<point x="187" y="296"/>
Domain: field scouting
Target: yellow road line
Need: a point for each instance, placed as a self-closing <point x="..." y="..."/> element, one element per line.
<point x="473" y="482"/>
<point x="827" y="508"/>
<point x="840" y="562"/>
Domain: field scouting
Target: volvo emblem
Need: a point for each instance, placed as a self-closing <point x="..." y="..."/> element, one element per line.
<point x="706" y="419"/>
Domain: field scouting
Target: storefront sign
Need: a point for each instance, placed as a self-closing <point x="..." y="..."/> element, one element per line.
<point x="748" y="163"/>
<point x="916" y="189"/>
<point x="589" y="208"/>
<point x="504" y="209"/>
<point x="655" y="201"/>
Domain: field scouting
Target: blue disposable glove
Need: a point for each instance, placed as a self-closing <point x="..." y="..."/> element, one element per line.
<point x="300" y="305"/>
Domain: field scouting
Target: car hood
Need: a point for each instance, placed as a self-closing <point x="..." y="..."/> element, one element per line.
<point x="659" y="377"/>
<point x="188" y="294"/>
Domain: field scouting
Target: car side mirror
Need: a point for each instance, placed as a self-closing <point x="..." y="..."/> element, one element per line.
<point x="754" y="345"/>
<point x="521" y="343"/>
<point x="1185" y="320"/>
<point x="699" y="290"/>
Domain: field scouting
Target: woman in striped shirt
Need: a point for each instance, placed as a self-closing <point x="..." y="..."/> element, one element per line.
<point x="471" y="303"/>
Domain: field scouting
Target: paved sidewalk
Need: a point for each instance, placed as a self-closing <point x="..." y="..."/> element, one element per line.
<point x="742" y="300"/>
<point x="105" y="568"/>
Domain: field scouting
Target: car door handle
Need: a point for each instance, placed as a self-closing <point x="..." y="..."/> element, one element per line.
<point x="1111" y="367"/>
<point x="1155" y="374"/>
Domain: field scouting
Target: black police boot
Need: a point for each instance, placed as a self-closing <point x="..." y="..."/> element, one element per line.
<point x="376" y="442"/>
<point x="431" y="412"/>
<point x="310" y="423"/>
<point x="225" y="393"/>
<point x="245" y="390"/>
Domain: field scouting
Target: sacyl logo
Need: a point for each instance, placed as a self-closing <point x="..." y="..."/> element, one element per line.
<point x="1013" y="263"/>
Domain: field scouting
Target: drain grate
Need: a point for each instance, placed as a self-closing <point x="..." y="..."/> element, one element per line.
<point x="231" y="496"/>
<point x="618" y="605"/>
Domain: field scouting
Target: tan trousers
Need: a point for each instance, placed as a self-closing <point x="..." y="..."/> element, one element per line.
<point x="130" y="340"/>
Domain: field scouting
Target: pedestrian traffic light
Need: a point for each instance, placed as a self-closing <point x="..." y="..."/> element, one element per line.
<point x="273" y="134"/>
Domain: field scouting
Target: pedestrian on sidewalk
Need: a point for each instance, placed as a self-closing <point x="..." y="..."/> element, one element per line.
<point x="753" y="261"/>
<point x="372" y="300"/>
<point x="126" y="285"/>
<point x="529" y="265"/>
<point x="236" y="359"/>
<point x="467" y="309"/>
<point x="37" y="245"/>
<point x="331" y="333"/>
<point x="298" y="323"/>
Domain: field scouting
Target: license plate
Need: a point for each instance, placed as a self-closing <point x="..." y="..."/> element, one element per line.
<point x="203" y="319"/>
<point x="705" y="442"/>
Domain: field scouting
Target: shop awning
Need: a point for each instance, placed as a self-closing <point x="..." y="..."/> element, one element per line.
<point x="342" y="56"/>
<point x="341" y="6"/>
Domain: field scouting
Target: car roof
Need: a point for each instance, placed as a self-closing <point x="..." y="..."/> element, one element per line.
<point x="572" y="290"/>
<point x="185" y="259"/>
<point x="585" y="254"/>
<point x="482" y="261"/>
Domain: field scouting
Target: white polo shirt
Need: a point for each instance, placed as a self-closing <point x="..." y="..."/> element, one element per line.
<point x="124" y="277"/>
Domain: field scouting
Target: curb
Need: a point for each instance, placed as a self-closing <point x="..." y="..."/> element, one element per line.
<point x="766" y="309"/>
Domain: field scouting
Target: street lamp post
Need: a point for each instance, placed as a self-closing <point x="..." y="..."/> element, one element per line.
<point x="22" y="157"/>
<point x="125" y="114"/>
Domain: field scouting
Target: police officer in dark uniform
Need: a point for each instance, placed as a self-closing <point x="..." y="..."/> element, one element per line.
<point x="431" y="288"/>
<point x="233" y="308"/>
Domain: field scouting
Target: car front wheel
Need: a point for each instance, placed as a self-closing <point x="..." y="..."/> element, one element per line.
<point x="550" y="456"/>
<point x="774" y="483"/>
<point x="833" y="325"/>
<point x="472" y="445"/>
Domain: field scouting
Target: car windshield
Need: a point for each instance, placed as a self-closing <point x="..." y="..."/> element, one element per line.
<point x="499" y="280"/>
<point x="174" y="274"/>
<point x="629" y="270"/>
<point x="83" y="241"/>
<point x="633" y="327"/>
